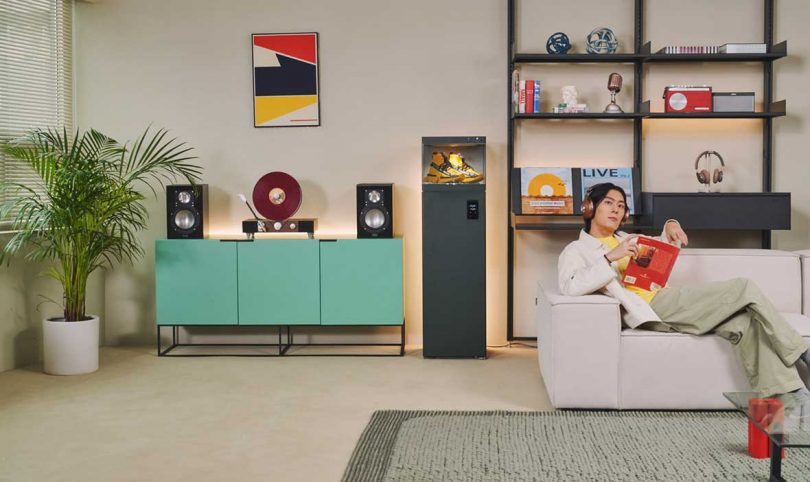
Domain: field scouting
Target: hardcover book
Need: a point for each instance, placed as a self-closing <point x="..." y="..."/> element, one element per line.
<point x="650" y="270"/>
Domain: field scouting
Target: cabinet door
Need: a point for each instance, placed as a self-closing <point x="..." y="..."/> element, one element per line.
<point x="278" y="282"/>
<point x="196" y="282"/>
<point x="361" y="282"/>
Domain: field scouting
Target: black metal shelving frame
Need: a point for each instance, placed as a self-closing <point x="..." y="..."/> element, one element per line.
<point x="642" y="54"/>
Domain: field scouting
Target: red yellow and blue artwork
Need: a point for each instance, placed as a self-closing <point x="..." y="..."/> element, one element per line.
<point x="285" y="80"/>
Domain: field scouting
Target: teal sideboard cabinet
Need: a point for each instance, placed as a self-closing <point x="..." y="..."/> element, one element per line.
<point x="278" y="282"/>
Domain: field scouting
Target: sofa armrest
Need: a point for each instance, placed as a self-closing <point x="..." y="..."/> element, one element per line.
<point x="578" y="348"/>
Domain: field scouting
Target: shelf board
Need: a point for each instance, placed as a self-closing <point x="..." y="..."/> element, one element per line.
<point x="777" y="109"/>
<point x="661" y="58"/>
<point x="570" y="227"/>
<point x="536" y="58"/>
<point x="714" y="115"/>
<point x="573" y="222"/>
<point x="777" y="51"/>
<point x="582" y="115"/>
<point x="547" y="226"/>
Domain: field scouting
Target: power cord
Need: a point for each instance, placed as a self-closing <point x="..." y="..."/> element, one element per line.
<point x="512" y="343"/>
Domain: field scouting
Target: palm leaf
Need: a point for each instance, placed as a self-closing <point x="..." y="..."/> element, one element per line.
<point x="86" y="208"/>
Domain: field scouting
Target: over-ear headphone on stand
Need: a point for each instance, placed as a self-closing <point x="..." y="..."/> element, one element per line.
<point x="703" y="176"/>
<point x="589" y="210"/>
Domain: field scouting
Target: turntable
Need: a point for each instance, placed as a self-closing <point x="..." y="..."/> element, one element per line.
<point x="277" y="197"/>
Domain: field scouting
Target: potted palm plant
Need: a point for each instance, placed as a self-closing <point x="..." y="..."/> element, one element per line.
<point x="83" y="213"/>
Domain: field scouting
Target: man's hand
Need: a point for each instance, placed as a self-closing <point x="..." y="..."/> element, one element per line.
<point x="628" y="247"/>
<point x="675" y="234"/>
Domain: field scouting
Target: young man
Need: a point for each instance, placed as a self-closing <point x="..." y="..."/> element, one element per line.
<point x="766" y="345"/>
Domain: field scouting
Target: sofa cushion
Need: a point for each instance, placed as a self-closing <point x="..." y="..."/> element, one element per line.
<point x="799" y="322"/>
<point x="777" y="273"/>
<point x="664" y="371"/>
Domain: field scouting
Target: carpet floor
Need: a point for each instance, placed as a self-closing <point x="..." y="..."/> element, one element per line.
<point x="559" y="446"/>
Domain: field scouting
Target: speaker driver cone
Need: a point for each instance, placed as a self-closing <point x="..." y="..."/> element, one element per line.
<point x="374" y="219"/>
<point x="185" y="219"/>
<point x="677" y="101"/>
<point x="184" y="197"/>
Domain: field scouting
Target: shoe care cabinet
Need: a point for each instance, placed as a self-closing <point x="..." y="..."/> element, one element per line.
<point x="454" y="255"/>
<point x="284" y="283"/>
<point x="759" y="211"/>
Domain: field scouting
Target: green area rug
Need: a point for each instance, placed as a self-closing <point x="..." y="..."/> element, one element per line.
<point x="558" y="446"/>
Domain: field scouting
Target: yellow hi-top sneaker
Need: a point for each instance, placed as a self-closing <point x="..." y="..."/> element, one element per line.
<point x="441" y="172"/>
<point x="470" y="175"/>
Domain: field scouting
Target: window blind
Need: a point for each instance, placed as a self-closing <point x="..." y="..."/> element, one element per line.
<point x="36" y="75"/>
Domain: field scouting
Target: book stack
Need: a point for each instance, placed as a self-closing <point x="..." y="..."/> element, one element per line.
<point x="689" y="49"/>
<point x="737" y="48"/>
<point x="732" y="48"/>
<point x="528" y="97"/>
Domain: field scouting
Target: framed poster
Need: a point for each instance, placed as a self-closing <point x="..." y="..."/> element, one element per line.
<point x="285" y="80"/>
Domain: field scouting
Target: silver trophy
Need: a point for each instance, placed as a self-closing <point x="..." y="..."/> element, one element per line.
<point x="614" y="86"/>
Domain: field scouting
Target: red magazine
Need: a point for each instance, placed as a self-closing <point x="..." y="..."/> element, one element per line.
<point x="650" y="270"/>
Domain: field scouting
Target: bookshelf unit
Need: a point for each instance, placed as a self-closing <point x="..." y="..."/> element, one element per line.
<point x="694" y="210"/>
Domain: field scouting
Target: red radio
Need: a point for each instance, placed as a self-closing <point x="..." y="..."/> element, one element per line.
<point x="687" y="98"/>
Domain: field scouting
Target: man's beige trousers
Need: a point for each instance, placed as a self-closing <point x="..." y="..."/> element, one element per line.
<point x="765" y="344"/>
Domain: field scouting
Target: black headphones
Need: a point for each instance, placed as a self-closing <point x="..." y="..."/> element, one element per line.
<point x="588" y="208"/>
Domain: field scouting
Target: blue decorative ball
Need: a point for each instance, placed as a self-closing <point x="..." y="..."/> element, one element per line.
<point x="558" y="43"/>
<point x="602" y="41"/>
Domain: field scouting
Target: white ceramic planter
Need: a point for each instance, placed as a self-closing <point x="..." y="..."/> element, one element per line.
<point x="70" y="347"/>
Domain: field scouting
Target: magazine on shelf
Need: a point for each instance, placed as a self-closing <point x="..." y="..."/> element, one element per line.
<point x="546" y="190"/>
<point x="620" y="176"/>
<point x="651" y="268"/>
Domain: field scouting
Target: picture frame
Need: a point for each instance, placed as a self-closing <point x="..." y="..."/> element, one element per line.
<point x="286" y="90"/>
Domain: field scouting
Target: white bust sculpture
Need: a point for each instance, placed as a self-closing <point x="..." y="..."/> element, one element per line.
<point x="569" y="95"/>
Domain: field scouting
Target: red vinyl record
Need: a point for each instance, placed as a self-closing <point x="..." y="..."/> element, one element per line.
<point x="277" y="196"/>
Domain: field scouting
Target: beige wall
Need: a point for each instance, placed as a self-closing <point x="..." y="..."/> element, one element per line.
<point x="19" y="334"/>
<point x="392" y="72"/>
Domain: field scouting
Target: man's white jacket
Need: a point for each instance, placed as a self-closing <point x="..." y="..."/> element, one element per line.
<point x="583" y="269"/>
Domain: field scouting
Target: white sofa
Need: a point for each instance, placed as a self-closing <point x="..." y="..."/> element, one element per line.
<point x="589" y="361"/>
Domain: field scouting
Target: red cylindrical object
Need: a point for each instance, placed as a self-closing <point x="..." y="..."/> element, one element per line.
<point x="758" y="443"/>
<point x="765" y="411"/>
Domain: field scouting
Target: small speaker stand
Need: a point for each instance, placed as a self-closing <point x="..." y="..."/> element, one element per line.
<point x="294" y="225"/>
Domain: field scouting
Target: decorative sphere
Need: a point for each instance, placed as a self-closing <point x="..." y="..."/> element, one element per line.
<point x="602" y="41"/>
<point x="558" y="43"/>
